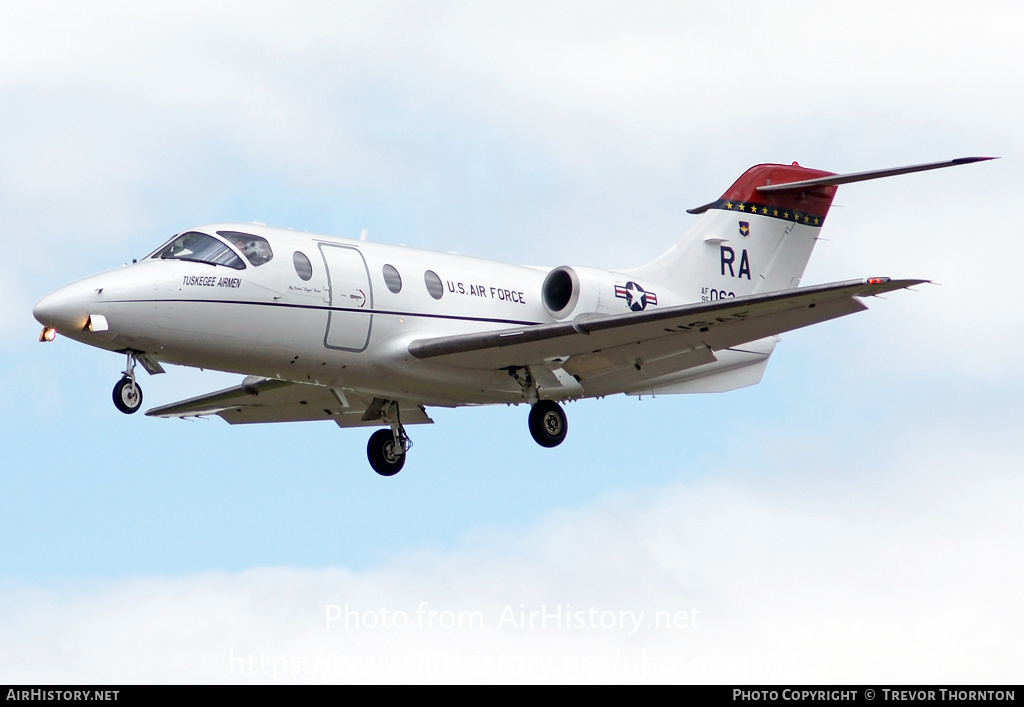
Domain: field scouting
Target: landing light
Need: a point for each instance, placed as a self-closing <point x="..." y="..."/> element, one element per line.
<point x="96" y="323"/>
<point x="48" y="334"/>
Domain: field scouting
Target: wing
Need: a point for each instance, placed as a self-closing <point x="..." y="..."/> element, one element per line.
<point x="658" y="342"/>
<point x="270" y="400"/>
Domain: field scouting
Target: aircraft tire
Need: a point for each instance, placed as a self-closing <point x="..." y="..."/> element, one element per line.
<point x="127" y="399"/>
<point x="548" y="423"/>
<point x="380" y="452"/>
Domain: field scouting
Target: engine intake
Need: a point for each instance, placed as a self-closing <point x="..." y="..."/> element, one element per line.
<point x="561" y="291"/>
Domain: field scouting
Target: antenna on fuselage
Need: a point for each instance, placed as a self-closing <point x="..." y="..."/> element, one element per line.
<point x="362" y="235"/>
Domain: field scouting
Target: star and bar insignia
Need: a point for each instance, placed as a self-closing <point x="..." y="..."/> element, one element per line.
<point x="637" y="298"/>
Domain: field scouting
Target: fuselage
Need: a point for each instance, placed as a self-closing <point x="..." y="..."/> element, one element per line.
<point x="319" y="309"/>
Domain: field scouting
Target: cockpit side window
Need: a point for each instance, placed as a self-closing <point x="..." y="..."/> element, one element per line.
<point x="255" y="249"/>
<point x="199" y="248"/>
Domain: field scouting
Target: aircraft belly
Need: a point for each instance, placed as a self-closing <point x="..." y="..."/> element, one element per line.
<point x="287" y="343"/>
<point x="734" y="368"/>
<point x="443" y="386"/>
<point x="607" y="374"/>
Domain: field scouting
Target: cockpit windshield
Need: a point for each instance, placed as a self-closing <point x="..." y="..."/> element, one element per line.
<point x="200" y="248"/>
<point x="256" y="249"/>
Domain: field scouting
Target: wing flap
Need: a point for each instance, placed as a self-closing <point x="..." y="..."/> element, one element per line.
<point x="214" y="403"/>
<point x="269" y="400"/>
<point x="645" y="360"/>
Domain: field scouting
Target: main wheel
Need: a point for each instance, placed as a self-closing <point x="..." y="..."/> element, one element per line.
<point x="380" y="450"/>
<point x="127" y="396"/>
<point x="548" y="424"/>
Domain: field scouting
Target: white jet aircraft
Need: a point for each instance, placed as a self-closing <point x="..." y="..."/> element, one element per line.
<point x="368" y="334"/>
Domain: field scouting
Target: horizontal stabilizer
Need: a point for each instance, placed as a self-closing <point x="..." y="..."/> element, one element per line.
<point x="837" y="179"/>
<point x="763" y="173"/>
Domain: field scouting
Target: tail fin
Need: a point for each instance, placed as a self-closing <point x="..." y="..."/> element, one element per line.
<point x="759" y="235"/>
<point x="747" y="241"/>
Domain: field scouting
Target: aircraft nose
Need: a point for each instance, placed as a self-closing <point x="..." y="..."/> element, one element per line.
<point x="63" y="309"/>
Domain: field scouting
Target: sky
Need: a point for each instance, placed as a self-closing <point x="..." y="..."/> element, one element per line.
<point x="854" y="518"/>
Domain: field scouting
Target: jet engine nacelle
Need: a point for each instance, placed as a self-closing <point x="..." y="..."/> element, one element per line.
<point x="570" y="291"/>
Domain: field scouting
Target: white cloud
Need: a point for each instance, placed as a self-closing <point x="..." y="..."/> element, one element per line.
<point x="297" y="85"/>
<point x="901" y="572"/>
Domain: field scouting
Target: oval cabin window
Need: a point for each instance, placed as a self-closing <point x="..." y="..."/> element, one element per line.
<point x="392" y="279"/>
<point x="433" y="282"/>
<point x="303" y="268"/>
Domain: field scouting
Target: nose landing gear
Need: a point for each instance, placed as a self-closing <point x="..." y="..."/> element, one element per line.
<point x="127" y="392"/>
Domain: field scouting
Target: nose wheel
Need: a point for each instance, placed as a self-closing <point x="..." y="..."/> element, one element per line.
<point x="548" y="424"/>
<point x="127" y="392"/>
<point x="127" y="396"/>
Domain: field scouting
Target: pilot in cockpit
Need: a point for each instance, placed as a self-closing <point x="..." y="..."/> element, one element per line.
<point x="256" y="250"/>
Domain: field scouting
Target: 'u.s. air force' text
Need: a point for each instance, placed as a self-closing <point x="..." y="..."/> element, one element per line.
<point x="474" y="290"/>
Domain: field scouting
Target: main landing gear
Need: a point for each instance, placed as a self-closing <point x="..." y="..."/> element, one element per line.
<point x="548" y="424"/>
<point x="386" y="449"/>
<point x="127" y="392"/>
<point x="547" y="419"/>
